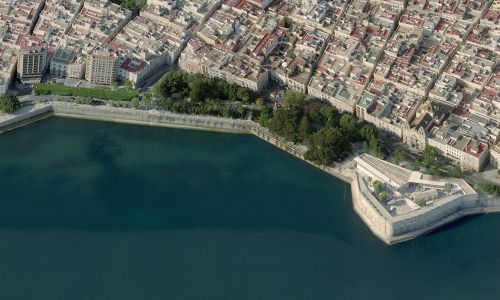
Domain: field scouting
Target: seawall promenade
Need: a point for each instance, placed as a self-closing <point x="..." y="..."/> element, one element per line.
<point x="380" y="226"/>
<point x="163" y="119"/>
<point x="24" y="116"/>
<point x="210" y="123"/>
<point x="149" y="117"/>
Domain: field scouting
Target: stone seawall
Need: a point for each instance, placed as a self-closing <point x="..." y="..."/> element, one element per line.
<point x="381" y="223"/>
<point x="161" y="118"/>
<point x="376" y="218"/>
<point x="169" y="119"/>
<point x="341" y="172"/>
<point x="152" y="117"/>
<point x="24" y="116"/>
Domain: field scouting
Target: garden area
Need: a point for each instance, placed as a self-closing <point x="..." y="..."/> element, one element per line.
<point x="182" y="92"/>
<point x="328" y="133"/>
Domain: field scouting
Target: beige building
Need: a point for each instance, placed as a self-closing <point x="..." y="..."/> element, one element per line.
<point x="495" y="156"/>
<point x="32" y="61"/>
<point x="101" y="67"/>
<point x="76" y="69"/>
<point x="469" y="153"/>
<point x="8" y="61"/>
<point x="475" y="156"/>
<point x="261" y="3"/>
<point x="198" y="57"/>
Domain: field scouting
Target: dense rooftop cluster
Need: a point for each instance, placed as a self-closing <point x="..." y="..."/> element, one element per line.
<point x="426" y="71"/>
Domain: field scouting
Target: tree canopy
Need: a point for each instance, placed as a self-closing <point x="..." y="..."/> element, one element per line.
<point x="399" y="155"/>
<point x="305" y="128"/>
<point x="130" y="4"/>
<point x="378" y="185"/>
<point x="178" y="86"/>
<point x="286" y="123"/>
<point x="430" y="155"/>
<point x="434" y="164"/>
<point x="448" y="187"/>
<point x="328" y="145"/>
<point x="318" y="124"/>
<point x="294" y="99"/>
<point x="63" y="90"/>
<point x="9" y="103"/>
<point x="489" y="188"/>
<point x="348" y="123"/>
<point x="371" y="145"/>
<point x="384" y="197"/>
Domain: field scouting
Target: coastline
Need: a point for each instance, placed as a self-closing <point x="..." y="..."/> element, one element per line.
<point x="165" y="119"/>
<point x="142" y="123"/>
<point x="395" y="229"/>
<point x="24" y="116"/>
<point x="344" y="172"/>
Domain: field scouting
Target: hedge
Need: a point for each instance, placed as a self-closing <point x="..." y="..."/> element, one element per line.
<point x="63" y="90"/>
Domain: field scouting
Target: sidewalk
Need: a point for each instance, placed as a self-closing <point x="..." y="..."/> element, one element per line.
<point x="490" y="176"/>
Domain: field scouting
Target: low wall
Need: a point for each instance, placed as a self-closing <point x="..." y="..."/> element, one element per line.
<point x="169" y="119"/>
<point x="372" y="216"/>
<point x="154" y="118"/>
<point x="25" y="115"/>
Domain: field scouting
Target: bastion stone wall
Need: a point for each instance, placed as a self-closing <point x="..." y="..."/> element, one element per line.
<point x="393" y="229"/>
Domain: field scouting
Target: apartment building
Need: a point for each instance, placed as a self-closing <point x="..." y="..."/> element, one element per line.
<point x="469" y="152"/>
<point x="199" y="57"/>
<point x="495" y="156"/>
<point x="32" y="60"/>
<point x="146" y="45"/>
<point x="387" y="107"/>
<point x="55" y="21"/>
<point x="8" y="61"/>
<point x="101" y="67"/>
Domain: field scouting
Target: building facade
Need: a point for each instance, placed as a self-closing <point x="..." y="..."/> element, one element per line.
<point x="495" y="157"/>
<point x="32" y="62"/>
<point x="101" y="67"/>
<point x="60" y="62"/>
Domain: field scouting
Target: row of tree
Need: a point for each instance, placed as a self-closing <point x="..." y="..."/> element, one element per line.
<point x="9" y="103"/>
<point x="213" y="107"/>
<point x="488" y="188"/>
<point x="63" y="90"/>
<point x="433" y="163"/>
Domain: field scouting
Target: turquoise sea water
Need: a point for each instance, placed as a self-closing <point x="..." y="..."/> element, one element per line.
<point x="92" y="210"/>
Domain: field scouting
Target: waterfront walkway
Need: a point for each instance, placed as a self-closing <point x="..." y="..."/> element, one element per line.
<point x="344" y="171"/>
